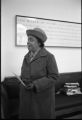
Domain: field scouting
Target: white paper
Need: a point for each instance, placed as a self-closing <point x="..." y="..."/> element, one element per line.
<point x="19" y="79"/>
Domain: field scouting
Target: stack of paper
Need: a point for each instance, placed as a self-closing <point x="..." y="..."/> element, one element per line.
<point x="72" y="88"/>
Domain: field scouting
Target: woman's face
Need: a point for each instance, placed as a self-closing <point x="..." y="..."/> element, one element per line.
<point x="32" y="43"/>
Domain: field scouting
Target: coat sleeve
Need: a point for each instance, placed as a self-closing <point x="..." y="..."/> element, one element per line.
<point x="52" y="75"/>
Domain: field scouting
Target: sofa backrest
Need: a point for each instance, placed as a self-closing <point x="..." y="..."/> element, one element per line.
<point x="11" y="84"/>
<point x="68" y="77"/>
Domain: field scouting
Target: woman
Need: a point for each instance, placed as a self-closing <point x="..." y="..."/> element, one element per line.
<point x="39" y="72"/>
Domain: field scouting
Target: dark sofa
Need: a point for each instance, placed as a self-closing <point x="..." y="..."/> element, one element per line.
<point x="66" y="106"/>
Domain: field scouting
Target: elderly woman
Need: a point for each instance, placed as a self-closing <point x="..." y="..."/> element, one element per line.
<point x="39" y="72"/>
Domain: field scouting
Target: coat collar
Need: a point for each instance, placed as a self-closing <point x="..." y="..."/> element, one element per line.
<point x="42" y="52"/>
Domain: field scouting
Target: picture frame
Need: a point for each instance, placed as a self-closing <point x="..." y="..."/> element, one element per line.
<point x="59" y="33"/>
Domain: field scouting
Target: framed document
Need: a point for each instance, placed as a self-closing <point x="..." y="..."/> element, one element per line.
<point x="59" y="33"/>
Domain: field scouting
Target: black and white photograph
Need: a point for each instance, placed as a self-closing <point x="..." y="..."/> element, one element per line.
<point x="41" y="59"/>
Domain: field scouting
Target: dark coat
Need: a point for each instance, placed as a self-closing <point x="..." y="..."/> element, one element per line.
<point x="43" y="72"/>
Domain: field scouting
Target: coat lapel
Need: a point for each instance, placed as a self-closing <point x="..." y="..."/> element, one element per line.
<point x="42" y="52"/>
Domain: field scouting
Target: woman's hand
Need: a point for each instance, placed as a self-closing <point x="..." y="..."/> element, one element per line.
<point x="30" y="86"/>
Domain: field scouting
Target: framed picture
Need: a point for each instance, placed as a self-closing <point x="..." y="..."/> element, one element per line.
<point x="59" y="33"/>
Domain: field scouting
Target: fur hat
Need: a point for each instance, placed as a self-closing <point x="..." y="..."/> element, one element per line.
<point x="37" y="32"/>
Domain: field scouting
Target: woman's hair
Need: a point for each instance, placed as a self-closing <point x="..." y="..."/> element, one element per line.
<point x="40" y="41"/>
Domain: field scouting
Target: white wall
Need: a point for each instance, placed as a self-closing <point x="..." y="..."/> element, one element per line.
<point x="68" y="59"/>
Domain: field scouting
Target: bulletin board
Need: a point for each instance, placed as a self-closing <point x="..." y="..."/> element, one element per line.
<point x="59" y="33"/>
